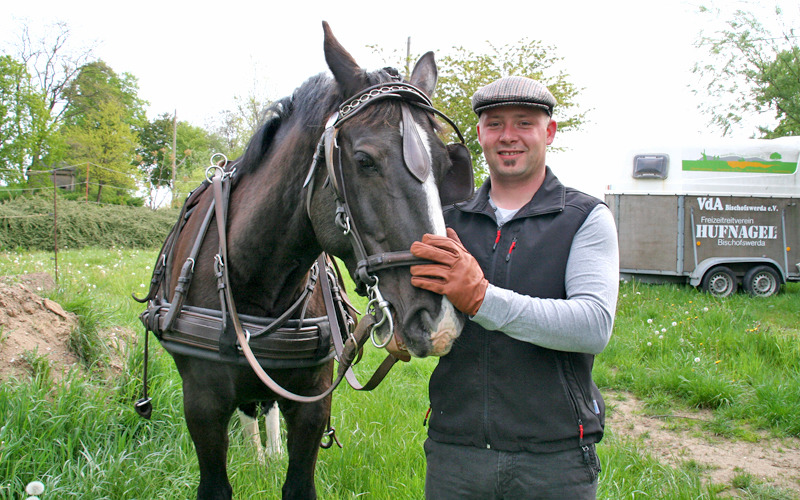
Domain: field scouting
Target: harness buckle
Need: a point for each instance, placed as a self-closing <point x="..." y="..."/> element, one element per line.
<point x="328" y="438"/>
<point x="246" y="339"/>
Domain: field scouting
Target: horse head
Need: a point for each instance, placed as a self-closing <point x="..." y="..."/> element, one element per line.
<point x="388" y="175"/>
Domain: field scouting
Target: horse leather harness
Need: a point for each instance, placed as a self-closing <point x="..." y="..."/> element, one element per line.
<point x="282" y="342"/>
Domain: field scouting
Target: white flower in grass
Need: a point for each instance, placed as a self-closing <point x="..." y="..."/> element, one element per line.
<point x="663" y="330"/>
<point x="34" y="488"/>
<point x="674" y="323"/>
<point x="705" y="309"/>
<point x="697" y="360"/>
<point x="649" y="321"/>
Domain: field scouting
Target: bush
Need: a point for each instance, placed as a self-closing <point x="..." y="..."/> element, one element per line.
<point x="27" y="223"/>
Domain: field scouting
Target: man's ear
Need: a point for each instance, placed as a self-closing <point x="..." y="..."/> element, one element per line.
<point x="551" y="131"/>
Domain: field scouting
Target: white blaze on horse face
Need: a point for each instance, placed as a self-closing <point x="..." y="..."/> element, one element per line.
<point x="447" y="328"/>
<point x="434" y="205"/>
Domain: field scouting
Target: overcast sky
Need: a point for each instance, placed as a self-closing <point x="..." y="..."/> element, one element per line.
<point x="633" y="57"/>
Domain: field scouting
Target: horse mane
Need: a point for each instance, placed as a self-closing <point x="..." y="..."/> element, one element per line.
<point x="309" y="106"/>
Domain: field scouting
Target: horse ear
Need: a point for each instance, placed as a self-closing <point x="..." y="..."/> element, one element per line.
<point x="347" y="73"/>
<point x="425" y="74"/>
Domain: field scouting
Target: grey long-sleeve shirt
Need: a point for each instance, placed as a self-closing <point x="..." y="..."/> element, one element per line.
<point x="583" y="321"/>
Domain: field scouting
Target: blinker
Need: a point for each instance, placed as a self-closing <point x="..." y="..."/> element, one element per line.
<point x="459" y="183"/>
<point x="415" y="155"/>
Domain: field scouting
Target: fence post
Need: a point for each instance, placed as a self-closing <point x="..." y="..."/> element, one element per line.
<point x="55" y="225"/>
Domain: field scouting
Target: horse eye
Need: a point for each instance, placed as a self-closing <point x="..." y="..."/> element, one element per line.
<point x="365" y="161"/>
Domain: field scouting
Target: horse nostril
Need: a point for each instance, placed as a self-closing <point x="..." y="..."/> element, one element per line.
<point x="426" y="321"/>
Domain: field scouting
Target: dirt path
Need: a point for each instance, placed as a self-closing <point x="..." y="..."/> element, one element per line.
<point x="675" y="440"/>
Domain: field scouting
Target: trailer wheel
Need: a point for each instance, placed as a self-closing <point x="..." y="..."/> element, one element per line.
<point x="761" y="281"/>
<point x="720" y="281"/>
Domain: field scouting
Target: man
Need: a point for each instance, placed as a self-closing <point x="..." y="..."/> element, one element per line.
<point x="514" y="411"/>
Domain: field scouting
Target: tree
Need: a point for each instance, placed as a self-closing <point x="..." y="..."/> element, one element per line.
<point x="52" y="64"/>
<point x="20" y="107"/>
<point x="236" y="126"/>
<point x="102" y="118"/>
<point x="753" y="71"/>
<point x="781" y="91"/>
<point x="107" y="144"/>
<point x="96" y="83"/>
<point x="194" y="147"/>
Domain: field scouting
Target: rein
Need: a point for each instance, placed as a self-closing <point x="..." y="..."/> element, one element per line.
<point x="345" y="351"/>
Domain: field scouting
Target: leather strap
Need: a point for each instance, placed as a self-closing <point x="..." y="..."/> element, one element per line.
<point x="336" y="333"/>
<point x="345" y="356"/>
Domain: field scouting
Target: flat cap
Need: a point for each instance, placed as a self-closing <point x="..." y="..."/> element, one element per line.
<point x="513" y="91"/>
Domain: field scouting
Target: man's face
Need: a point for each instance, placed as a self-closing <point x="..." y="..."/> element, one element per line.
<point x="514" y="140"/>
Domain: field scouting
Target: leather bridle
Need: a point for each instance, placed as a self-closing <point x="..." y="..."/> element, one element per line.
<point x="418" y="163"/>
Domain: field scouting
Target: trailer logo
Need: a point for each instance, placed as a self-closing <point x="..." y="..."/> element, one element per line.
<point x="709" y="203"/>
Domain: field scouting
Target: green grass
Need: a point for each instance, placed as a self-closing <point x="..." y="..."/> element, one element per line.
<point x="674" y="348"/>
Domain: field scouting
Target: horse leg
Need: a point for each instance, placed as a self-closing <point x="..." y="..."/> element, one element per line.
<point x="248" y="417"/>
<point x="207" y="416"/>
<point x="273" y="426"/>
<point x="305" y="424"/>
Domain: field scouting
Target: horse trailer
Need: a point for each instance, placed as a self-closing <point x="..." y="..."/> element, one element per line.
<point x="717" y="216"/>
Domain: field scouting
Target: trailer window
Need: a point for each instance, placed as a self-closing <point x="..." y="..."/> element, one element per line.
<point x="650" y="166"/>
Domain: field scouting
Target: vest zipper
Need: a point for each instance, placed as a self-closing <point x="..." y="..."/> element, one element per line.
<point x="485" y="354"/>
<point x="573" y="400"/>
<point x="511" y="248"/>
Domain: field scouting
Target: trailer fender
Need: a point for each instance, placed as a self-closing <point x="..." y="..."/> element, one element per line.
<point x="696" y="276"/>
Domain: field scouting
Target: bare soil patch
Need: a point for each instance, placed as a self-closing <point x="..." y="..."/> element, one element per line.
<point x="34" y="326"/>
<point x="674" y="440"/>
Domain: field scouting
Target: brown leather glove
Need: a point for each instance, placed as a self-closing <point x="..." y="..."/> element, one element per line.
<point x="455" y="273"/>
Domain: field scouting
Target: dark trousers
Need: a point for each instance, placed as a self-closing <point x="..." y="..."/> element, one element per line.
<point x="465" y="472"/>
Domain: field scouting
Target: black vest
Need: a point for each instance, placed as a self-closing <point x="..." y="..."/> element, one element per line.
<point x="491" y="390"/>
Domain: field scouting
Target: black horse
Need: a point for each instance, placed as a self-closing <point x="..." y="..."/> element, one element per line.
<point x="358" y="178"/>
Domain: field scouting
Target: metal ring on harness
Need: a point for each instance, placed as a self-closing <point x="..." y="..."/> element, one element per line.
<point x="342" y="220"/>
<point x="213" y="170"/>
<point x="386" y="315"/>
<point x="224" y="160"/>
<point x="218" y="167"/>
